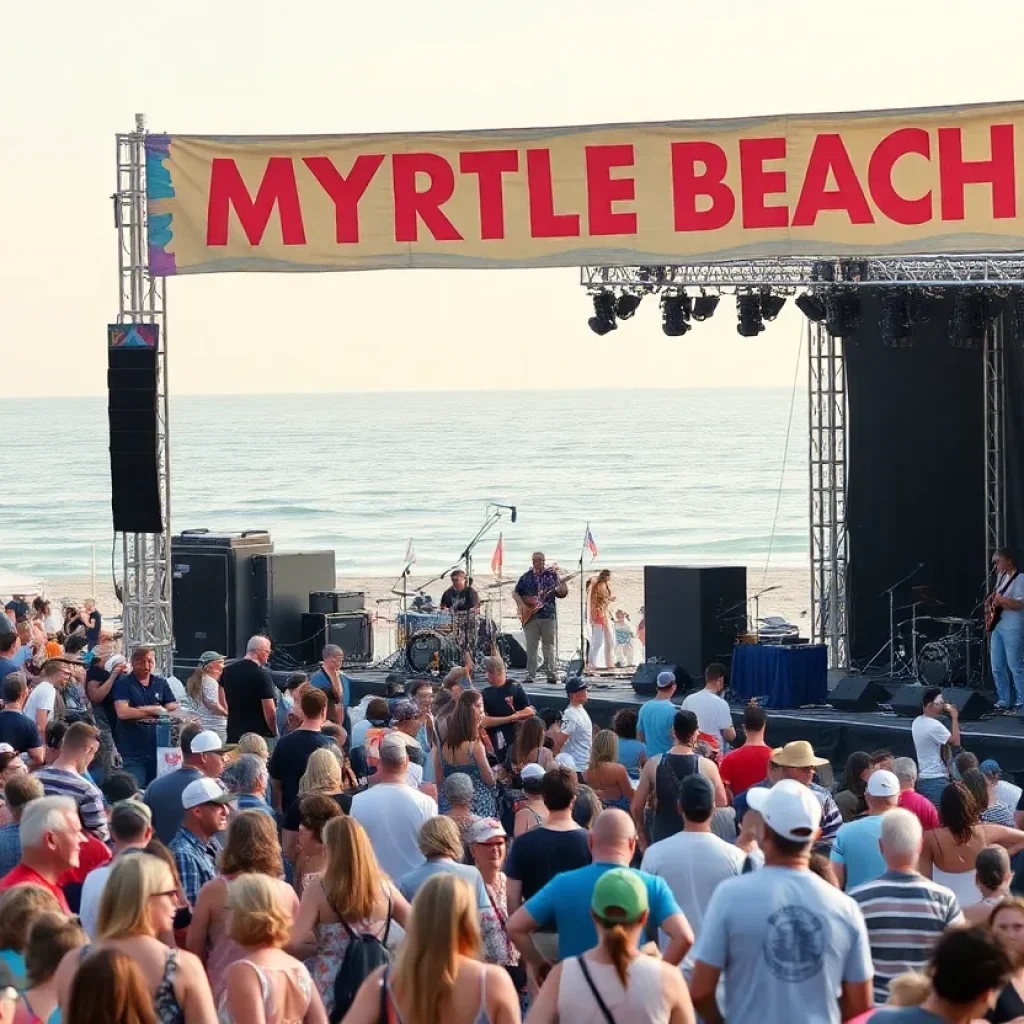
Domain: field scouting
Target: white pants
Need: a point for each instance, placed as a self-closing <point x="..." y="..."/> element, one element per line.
<point x="602" y="644"/>
<point x="625" y="655"/>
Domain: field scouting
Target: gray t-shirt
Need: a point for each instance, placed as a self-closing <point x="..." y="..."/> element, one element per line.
<point x="785" y="941"/>
<point x="1011" y="620"/>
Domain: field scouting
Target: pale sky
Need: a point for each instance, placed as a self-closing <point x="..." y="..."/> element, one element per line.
<point x="73" y="73"/>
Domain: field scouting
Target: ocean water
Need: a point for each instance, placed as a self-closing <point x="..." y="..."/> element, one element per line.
<point x="661" y="476"/>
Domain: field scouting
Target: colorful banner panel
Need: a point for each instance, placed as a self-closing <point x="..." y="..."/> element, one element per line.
<point x="939" y="180"/>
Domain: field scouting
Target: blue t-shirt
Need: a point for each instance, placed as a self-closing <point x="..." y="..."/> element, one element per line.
<point x="322" y="681"/>
<point x="565" y="903"/>
<point x="7" y="667"/>
<point x="629" y="754"/>
<point x="785" y="941"/>
<point x="137" y="739"/>
<point x="655" y="722"/>
<point x="856" y="847"/>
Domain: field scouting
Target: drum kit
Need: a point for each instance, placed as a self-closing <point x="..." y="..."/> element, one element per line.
<point x="441" y="646"/>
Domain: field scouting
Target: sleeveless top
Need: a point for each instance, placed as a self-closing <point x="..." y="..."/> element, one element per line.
<point x="297" y="996"/>
<point x="641" y="1002"/>
<point x="668" y="777"/>
<point x="393" y="1015"/>
<point x="483" y="801"/>
<point x="165" y="1002"/>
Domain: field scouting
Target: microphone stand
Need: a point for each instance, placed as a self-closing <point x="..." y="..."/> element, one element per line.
<point x="583" y="649"/>
<point x="757" y="610"/>
<point x="891" y="591"/>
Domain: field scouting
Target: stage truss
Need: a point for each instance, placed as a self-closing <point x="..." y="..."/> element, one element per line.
<point x="146" y="567"/>
<point x="826" y="397"/>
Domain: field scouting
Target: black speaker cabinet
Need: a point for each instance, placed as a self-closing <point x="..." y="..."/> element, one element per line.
<point x="327" y="601"/>
<point x="351" y="631"/>
<point x="512" y="650"/>
<point x="211" y="592"/>
<point x="645" y="678"/>
<point x="856" y="693"/>
<point x="693" y="614"/>
<point x="282" y="581"/>
<point x="972" y="706"/>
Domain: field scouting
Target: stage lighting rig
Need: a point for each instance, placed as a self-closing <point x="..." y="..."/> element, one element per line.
<point x="748" y="311"/>
<point x="704" y="306"/>
<point x="627" y="305"/>
<point x="812" y="306"/>
<point x="771" y="304"/>
<point x="675" y="314"/>
<point x="842" y="312"/>
<point x="895" y="320"/>
<point x="973" y="310"/>
<point x="603" y="319"/>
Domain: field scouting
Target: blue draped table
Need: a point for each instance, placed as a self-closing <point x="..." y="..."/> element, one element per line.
<point x="783" y="676"/>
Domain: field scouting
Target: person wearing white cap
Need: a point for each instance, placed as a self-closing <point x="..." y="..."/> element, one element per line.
<point x="654" y="723"/>
<point x="791" y="946"/>
<point x="534" y="812"/>
<point x="204" y="802"/>
<point x="202" y="756"/>
<point x="856" y="857"/>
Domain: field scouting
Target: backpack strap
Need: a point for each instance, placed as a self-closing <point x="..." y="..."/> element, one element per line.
<point x="593" y="988"/>
<point x="330" y="903"/>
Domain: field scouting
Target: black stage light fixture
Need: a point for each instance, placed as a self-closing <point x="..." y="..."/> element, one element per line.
<point x="895" y="319"/>
<point x="771" y="304"/>
<point x="704" y="306"/>
<point x="842" y="312"/>
<point x="748" y="311"/>
<point x="627" y="305"/>
<point x="603" y="319"/>
<point x="675" y="314"/>
<point x="973" y="310"/>
<point x="822" y="270"/>
<point x="1016" y="301"/>
<point x="812" y="306"/>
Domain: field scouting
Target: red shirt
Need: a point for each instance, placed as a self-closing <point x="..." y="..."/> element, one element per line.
<point x="922" y="807"/>
<point x="23" y="875"/>
<point x="91" y="854"/>
<point x="745" y="766"/>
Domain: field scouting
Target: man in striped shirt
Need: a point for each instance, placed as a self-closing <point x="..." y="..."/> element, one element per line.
<point x="65" y="777"/>
<point x="905" y="912"/>
<point x="798" y="762"/>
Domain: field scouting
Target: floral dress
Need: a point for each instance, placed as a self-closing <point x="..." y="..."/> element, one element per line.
<point x="483" y="802"/>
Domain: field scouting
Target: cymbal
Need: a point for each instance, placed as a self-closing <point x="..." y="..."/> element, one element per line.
<point x="953" y="620"/>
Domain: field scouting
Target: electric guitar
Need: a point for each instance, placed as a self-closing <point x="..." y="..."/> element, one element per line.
<point x="529" y="606"/>
<point x="992" y="610"/>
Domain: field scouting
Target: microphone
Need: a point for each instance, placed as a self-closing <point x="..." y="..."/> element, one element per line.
<point x="513" y="513"/>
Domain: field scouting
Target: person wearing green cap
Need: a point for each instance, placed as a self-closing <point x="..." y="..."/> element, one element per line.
<point x="615" y="981"/>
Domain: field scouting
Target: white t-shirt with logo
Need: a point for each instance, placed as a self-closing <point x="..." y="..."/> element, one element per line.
<point x="929" y="735"/>
<point x="712" y="713"/>
<point x="580" y="730"/>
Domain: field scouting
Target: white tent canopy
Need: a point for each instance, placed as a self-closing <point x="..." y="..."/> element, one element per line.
<point x="18" y="583"/>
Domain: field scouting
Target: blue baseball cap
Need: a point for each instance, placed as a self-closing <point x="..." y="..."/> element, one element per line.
<point x="990" y="766"/>
<point x="665" y="679"/>
<point x="575" y="684"/>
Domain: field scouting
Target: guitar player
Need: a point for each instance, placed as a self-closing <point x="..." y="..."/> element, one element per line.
<point x="1005" y="618"/>
<point x="537" y="589"/>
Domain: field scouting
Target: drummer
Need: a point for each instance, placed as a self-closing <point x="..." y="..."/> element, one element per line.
<point x="459" y="597"/>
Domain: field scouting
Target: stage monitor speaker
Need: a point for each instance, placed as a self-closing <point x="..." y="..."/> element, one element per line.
<point x="971" y="705"/>
<point x="693" y="614"/>
<point x="327" y="601"/>
<point x="211" y="592"/>
<point x="906" y="701"/>
<point x="857" y="693"/>
<point x="512" y="650"/>
<point x="132" y="416"/>
<point x="645" y="678"/>
<point x="282" y="581"/>
<point x="351" y="631"/>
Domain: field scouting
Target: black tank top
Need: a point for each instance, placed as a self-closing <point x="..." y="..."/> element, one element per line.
<point x="668" y="777"/>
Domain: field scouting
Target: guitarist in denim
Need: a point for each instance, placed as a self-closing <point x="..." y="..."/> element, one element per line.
<point x="1004" y="616"/>
<point x="535" y="595"/>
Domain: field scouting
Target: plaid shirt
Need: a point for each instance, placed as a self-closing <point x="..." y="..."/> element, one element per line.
<point x="196" y="860"/>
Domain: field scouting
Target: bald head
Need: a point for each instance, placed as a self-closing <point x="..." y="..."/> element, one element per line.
<point x="613" y="837"/>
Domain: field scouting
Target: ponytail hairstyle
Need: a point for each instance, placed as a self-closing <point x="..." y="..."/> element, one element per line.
<point x="618" y="947"/>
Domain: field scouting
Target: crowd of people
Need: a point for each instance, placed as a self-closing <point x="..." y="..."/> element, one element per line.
<point x="444" y="852"/>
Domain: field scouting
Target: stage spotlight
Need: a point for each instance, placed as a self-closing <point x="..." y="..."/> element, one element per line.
<point x="603" y="319"/>
<point x="748" y="310"/>
<point x="627" y="305"/>
<point x="842" y="312"/>
<point x="895" y="320"/>
<point x="704" y="306"/>
<point x="973" y="310"/>
<point x="771" y="304"/>
<point x="675" y="314"/>
<point x="812" y="306"/>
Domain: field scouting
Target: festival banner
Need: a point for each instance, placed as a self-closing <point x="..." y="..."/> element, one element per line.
<point x="897" y="182"/>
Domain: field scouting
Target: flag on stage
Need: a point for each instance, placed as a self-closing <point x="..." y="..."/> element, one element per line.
<point x="410" y="554"/>
<point x="498" y="558"/>
<point x="590" y="544"/>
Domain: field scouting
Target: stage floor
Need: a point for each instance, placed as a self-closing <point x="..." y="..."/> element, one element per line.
<point x="834" y="734"/>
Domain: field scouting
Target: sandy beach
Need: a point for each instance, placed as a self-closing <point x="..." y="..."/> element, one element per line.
<point x="791" y="600"/>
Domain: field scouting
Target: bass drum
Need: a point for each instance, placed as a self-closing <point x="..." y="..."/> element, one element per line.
<point x="935" y="665"/>
<point x="430" y="651"/>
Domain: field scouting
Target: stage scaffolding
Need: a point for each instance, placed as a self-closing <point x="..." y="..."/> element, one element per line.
<point x="146" y="566"/>
<point x="826" y="397"/>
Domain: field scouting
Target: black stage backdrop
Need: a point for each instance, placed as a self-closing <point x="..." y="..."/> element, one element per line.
<point x="1013" y="366"/>
<point x="915" y="487"/>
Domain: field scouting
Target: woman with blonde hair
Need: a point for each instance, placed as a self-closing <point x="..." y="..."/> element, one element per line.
<point x="614" y="980"/>
<point x="51" y="937"/>
<point x="203" y="689"/>
<point x="463" y="750"/>
<point x="253" y="743"/>
<point x="602" y="635"/>
<point x="323" y="776"/>
<point x="265" y="985"/>
<point x="138" y="904"/>
<point x="438" y="976"/>
<point x="605" y="776"/>
<point x="352" y="898"/>
<point x="251" y="848"/>
<point x="110" y="989"/>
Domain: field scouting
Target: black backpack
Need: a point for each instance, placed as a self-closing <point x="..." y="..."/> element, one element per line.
<point x="363" y="955"/>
